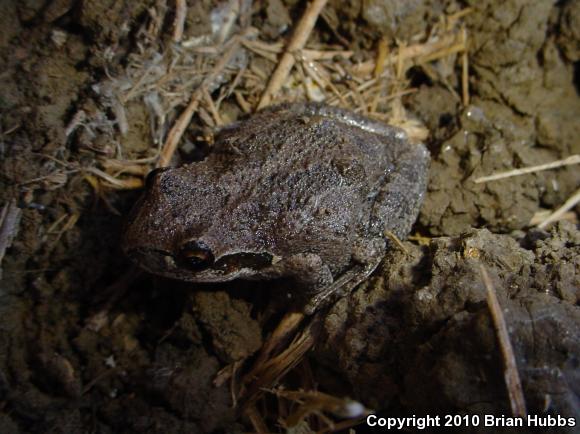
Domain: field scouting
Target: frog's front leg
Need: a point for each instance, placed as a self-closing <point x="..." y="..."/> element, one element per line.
<point x="366" y="256"/>
<point x="308" y="271"/>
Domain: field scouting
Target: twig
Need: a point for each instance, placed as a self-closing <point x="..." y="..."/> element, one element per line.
<point x="120" y="167"/>
<point x="452" y="19"/>
<point x="311" y="402"/>
<point x="273" y="362"/>
<point x="382" y="52"/>
<point x="511" y="375"/>
<point x="275" y="368"/>
<point x="397" y="241"/>
<point x="179" y="23"/>
<point x="100" y="376"/>
<point x="111" y="295"/>
<point x="182" y="122"/>
<point x="212" y="108"/>
<point x="418" y="53"/>
<point x="57" y="223"/>
<point x="447" y="51"/>
<point x="78" y="119"/>
<point x="573" y="159"/>
<point x="541" y="215"/>
<point x="120" y="184"/>
<point x="9" y="222"/>
<point x="556" y="215"/>
<point x="256" y="420"/>
<point x="10" y="130"/>
<point x="53" y="175"/>
<point x="257" y="47"/>
<point x="325" y="54"/>
<point x="464" y="69"/>
<point x="72" y="220"/>
<point x="299" y="38"/>
<point x="319" y="78"/>
<point x="288" y="325"/>
<point x="228" y="19"/>
<point x="244" y="105"/>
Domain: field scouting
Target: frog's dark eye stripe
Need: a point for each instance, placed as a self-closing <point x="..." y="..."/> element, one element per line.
<point x="196" y="256"/>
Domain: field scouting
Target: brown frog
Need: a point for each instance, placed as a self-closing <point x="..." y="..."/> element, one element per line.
<point x="303" y="192"/>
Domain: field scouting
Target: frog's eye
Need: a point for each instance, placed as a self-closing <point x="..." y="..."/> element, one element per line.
<point x="195" y="255"/>
<point x="151" y="175"/>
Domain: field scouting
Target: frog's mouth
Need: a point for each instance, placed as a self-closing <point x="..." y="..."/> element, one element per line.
<point x="197" y="256"/>
<point x="237" y="261"/>
<point x="196" y="262"/>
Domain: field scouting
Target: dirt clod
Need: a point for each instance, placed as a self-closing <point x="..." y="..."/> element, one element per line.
<point x="436" y="334"/>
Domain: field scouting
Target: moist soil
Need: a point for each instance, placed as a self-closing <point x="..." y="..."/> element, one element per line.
<point x="90" y="344"/>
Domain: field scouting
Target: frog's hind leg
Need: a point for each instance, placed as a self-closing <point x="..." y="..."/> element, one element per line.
<point x="397" y="204"/>
<point x="346" y="117"/>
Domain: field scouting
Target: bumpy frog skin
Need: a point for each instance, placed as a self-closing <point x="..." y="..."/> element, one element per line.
<point x="303" y="192"/>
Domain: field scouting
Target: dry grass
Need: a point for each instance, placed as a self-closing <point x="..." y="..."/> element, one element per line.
<point x="541" y="220"/>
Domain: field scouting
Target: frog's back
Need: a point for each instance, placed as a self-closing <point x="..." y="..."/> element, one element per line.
<point x="311" y="177"/>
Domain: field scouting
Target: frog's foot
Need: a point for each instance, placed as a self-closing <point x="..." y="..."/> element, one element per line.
<point x="366" y="257"/>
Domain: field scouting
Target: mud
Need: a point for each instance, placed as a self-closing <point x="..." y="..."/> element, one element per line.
<point x="89" y="345"/>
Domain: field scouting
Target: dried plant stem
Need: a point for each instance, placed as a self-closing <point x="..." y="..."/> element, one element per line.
<point x="464" y="69"/>
<point x="397" y="241"/>
<point x="543" y="214"/>
<point x="112" y="294"/>
<point x="418" y="53"/>
<point x="70" y="223"/>
<point x="452" y="19"/>
<point x="309" y="55"/>
<point x="179" y="23"/>
<point x="288" y="325"/>
<point x="256" y="419"/>
<point x="574" y="159"/>
<point x="212" y="108"/>
<point x="560" y="212"/>
<point x="182" y="122"/>
<point x="272" y="370"/>
<point x="299" y="38"/>
<point x="119" y="184"/>
<point x="273" y="362"/>
<point x="511" y="375"/>
<point x="9" y="224"/>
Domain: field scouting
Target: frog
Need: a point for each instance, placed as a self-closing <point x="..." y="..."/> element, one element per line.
<point x="302" y="193"/>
